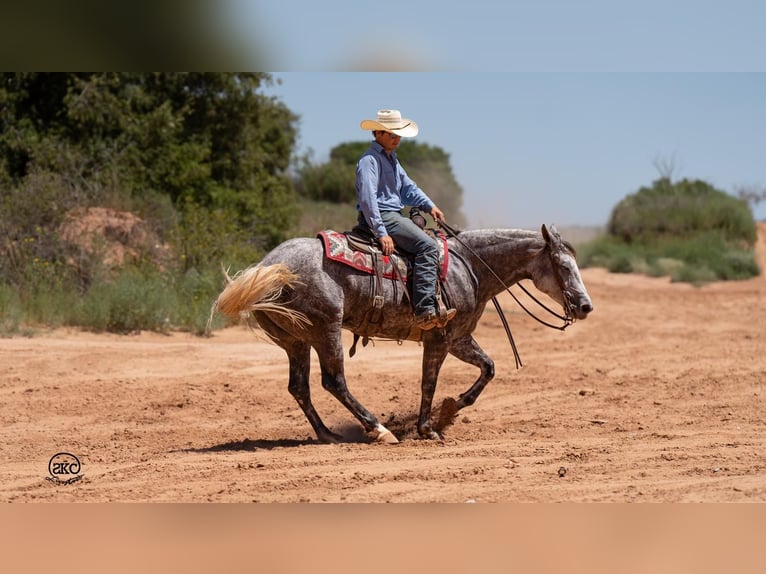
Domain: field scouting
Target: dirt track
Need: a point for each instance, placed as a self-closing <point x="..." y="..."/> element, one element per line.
<point x="659" y="396"/>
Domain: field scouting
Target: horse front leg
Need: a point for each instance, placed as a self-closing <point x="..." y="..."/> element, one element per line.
<point x="434" y="353"/>
<point x="468" y="351"/>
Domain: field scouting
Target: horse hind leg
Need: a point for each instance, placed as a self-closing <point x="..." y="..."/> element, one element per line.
<point x="334" y="381"/>
<point x="299" y="355"/>
<point x="300" y="364"/>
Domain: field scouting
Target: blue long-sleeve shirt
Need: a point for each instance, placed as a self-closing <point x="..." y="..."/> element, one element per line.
<point x="383" y="185"/>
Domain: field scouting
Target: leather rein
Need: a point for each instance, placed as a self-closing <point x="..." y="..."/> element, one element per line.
<point x="568" y="318"/>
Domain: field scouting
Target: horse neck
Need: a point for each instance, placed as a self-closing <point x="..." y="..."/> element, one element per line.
<point x="508" y="253"/>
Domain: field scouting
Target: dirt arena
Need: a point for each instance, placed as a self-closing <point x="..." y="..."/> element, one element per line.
<point x="659" y="396"/>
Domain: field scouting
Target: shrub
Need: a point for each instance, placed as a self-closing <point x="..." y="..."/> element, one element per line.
<point x="136" y="300"/>
<point x="683" y="209"/>
<point x="689" y="231"/>
<point x="196" y="292"/>
<point x="10" y="311"/>
<point x="213" y="237"/>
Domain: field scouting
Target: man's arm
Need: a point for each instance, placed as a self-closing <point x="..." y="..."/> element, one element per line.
<point x="366" y="194"/>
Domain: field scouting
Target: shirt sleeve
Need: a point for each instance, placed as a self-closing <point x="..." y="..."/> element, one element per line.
<point x="367" y="177"/>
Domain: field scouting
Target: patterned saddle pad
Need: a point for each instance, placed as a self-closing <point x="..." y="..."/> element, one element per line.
<point x="336" y="247"/>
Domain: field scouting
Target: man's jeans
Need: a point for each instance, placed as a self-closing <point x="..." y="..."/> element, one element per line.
<point x="409" y="238"/>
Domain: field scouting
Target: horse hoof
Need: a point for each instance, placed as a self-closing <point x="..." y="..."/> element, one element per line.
<point x="430" y="434"/>
<point x="385" y="436"/>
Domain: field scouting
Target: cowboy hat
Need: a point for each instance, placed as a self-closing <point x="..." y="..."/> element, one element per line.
<point x="391" y="121"/>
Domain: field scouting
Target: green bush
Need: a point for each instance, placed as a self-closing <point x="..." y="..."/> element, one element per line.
<point x="196" y="292"/>
<point x="10" y="311"/>
<point x="681" y="209"/>
<point x="213" y="237"/>
<point x="688" y="231"/>
<point x="134" y="301"/>
<point x="700" y="259"/>
<point x="148" y="300"/>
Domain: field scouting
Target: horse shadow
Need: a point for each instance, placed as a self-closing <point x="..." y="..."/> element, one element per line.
<point x="402" y="426"/>
<point x="248" y="445"/>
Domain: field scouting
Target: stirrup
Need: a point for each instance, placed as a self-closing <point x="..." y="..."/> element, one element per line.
<point x="445" y="316"/>
<point x="432" y="319"/>
<point x="426" y="321"/>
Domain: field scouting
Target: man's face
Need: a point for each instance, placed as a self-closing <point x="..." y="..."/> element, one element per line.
<point x="388" y="140"/>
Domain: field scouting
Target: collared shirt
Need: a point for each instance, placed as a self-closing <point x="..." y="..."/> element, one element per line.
<point x="383" y="185"/>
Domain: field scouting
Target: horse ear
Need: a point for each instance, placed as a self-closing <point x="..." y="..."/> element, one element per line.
<point x="551" y="236"/>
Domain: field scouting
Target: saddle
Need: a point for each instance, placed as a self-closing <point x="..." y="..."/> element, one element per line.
<point x="359" y="249"/>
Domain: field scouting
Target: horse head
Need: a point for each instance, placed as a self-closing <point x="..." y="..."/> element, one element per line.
<point x="560" y="277"/>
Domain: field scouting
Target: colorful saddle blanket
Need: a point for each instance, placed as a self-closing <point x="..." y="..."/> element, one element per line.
<point x="336" y="247"/>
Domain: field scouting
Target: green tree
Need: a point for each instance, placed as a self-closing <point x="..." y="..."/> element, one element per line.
<point x="143" y="141"/>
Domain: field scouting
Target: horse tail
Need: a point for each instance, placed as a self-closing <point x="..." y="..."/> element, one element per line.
<point x="258" y="288"/>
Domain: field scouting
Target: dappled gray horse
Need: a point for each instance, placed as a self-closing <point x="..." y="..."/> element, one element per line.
<point x="303" y="300"/>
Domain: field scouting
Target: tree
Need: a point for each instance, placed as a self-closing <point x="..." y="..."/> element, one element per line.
<point x="143" y="140"/>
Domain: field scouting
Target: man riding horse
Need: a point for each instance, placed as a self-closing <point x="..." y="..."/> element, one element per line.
<point x="383" y="189"/>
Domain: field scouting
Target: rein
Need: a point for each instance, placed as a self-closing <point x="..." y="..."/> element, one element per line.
<point x="568" y="318"/>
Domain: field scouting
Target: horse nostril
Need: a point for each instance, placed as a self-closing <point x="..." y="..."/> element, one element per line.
<point x="586" y="308"/>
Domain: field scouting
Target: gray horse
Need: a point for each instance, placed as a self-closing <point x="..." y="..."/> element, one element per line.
<point x="303" y="300"/>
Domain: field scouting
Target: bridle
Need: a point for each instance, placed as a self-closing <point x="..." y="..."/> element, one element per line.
<point x="554" y="255"/>
<point x="555" y="258"/>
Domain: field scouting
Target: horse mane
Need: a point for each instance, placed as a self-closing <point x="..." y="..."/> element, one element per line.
<point x="506" y="234"/>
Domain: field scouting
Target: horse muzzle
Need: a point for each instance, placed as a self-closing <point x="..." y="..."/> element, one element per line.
<point x="577" y="306"/>
<point x="582" y="309"/>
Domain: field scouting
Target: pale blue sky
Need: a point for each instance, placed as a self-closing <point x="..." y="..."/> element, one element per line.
<point x="507" y="35"/>
<point x="552" y="111"/>
<point x="563" y="148"/>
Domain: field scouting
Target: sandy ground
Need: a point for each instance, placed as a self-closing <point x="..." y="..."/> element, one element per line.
<point x="659" y="396"/>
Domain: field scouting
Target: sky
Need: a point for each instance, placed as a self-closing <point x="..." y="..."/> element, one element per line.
<point x="551" y="111"/>
<point x="556" y="148"/>
<point x="508" y="35"/>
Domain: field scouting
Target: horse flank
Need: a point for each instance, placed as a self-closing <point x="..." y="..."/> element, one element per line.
<point x="258" y="288"/>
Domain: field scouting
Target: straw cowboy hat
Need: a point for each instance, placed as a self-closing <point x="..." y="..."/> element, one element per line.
<point x="391" y="121"/>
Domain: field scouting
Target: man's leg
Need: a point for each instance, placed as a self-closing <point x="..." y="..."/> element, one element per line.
<point x="410" y="238"/>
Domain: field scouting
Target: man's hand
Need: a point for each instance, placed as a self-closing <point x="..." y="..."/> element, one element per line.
<point x="386" y="244"/>
<point x="437" y="214"/>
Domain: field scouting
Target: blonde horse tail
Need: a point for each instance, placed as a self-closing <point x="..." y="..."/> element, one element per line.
<point x="258" y="289"/>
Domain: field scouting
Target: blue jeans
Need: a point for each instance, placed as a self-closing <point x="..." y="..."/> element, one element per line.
<point x="409" y="238"/>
